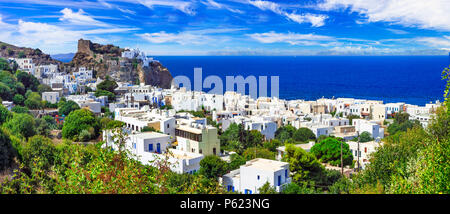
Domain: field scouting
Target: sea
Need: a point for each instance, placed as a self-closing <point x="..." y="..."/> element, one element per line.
<point x="410" y="79"/>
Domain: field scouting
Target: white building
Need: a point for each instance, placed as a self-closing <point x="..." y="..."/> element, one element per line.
<point x="255" y="173"/>
<point x="94" y="106"/>
<point x="151" y="147"/>
<point x="365" y="149"/>
<point x="25" y="64"/>
<point x="373" y="128"/>
<point x="51" y="97"/>
<point x="137" y="54"/>
<point x="197" y="138"/>
<point x="46" y="70"/>
<point x="83" y="74"/>
<point x="136" y="120"/>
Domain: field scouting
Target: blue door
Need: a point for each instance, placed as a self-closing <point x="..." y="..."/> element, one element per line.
<point x="158" y="148"/>
<point x="279" y="180"/>
<point x="150" y="147"/>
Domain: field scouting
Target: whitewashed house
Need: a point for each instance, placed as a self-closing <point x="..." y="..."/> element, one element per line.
<point x="255" y="173"/>
<point x="151" y="147"/>
<point x="50" y="96"/>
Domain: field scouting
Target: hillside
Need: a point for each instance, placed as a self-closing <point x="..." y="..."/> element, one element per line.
<point x="39" y="58"/>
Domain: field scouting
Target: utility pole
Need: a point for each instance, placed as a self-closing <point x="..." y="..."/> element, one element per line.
<point x="358" y="152"/>
<point x="342" y="162"/>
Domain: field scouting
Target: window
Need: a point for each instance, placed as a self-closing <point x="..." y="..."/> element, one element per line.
<point x="150" y="147"/>
<point x="214" y="151"/>
<point x="258" y="177"/>
<point x="286" y="173"/>
<point x="134" y="145"/>
<point x="279" y="180"/>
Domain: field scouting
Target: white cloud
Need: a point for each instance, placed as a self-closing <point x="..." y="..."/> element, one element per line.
<point x="291" y="38"/>
<point x="184" y="6"/>
<point x="80" y="18"/>
<point x="397" y="31"/>
<point x="49" y="37"/>
<point x="438" y="42"/>
<point x="126" y="11"/>
<point x="213" y="4"/>
<point x="359" y="50"/>
<point x="424" y="14"/>
<point x="195" y="37"/>
<point x="313" y="19"/>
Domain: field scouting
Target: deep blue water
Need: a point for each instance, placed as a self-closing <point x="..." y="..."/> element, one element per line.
<point x="410" y="79"/>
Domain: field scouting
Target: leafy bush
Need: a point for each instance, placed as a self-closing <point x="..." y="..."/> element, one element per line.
<point x="80" y="120"/>
<point x="22" y="124"/>
<point x="212" y="166"/>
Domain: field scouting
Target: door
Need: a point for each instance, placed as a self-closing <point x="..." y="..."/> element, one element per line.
<point x="279" y="180"/>
<point x="158" y="148"/>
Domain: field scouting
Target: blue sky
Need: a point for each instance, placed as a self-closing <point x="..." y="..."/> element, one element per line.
<point x="232" y="27"/>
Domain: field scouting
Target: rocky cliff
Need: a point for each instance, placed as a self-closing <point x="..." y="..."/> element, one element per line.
<point x="106" y="60"/>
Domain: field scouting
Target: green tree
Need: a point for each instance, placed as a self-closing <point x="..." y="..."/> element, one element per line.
<point x="34" y="101"/>
<point x="50" y="121"/>
<point x="20" y="110"/>
<point x="303" y="135"/>
<point x="18" y="99"/>
<point x="22" y="124"/>
<point x="252" y="138"/>
<point x="236" y="161"/>
<point x="5" y="92"/>
<point x="42" y="127"/>
<point x="5" y="115"/>
<point x="258" y="152"/>
<point x="294" y="188"/>
<point x="111" y="96"/>
<point x="65" y="108"/>
<point x="365" y="137"/>
<point x="29" y="81"/>
<point x="77" y="121"/>
<point x="39" y="147"/>
<point x="4" y="65"/>
<point x="272" y="145"/>
<point x="329" y="151"/>
<point x="285" y="132"/>
<point x="212" y="166"/>
<point x="107" y="85"/>
<point x="6" y="150"/>
<point x="43" y="88"/>
<point x="231" y="134"/>
<point x="304" y="166"/>
<point x="267" y="189"/>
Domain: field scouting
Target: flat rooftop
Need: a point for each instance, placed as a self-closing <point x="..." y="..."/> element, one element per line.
<point x="149" y="135"/>
<point x="190" y="129"/>
<point x="234" y="174"/>
<point x="265" y="164"/>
